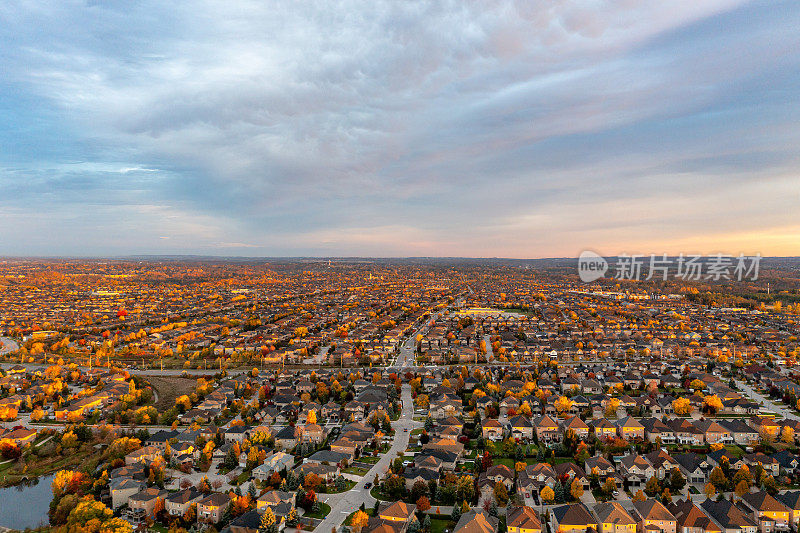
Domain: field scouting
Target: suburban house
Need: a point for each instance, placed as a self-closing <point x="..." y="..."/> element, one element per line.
<point x="691" y="519"/>
<point x="492" y="429"/>
<point x="613" y="518"/>
<point x="523" y="519"/>
<point x="476" y="521"/>
<point x="773" y="514"/>
<point x="653" y="515"/>
<point x="176" y="504"/>
<point x="211" y="508"/>
<point x="572" y="518"/>
<point x="729" y="517"/>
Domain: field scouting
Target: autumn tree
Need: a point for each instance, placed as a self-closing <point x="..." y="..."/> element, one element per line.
<point x="576" y="489"/>
<point x="423" y="504"/>
<point x="500" y="494"/>
<point x="652" y="486"/>
<point x="611" y="407"/>
<point x="743" y="474"/>
<point x="268" y="523"/>
<point x="676" y="480"/>
<point x="563" y="404"/>
<point x="91" y="516"/>
<point x="547" y="494"/>
<point x="359" y="521"/>
<point x="742" y="488"/>
<point x="712" y="404"/>
<point x="718" y="479"/>
<point x="682" y="406"/>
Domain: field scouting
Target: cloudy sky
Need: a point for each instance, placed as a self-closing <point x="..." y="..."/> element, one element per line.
<point x="534" y="128"/>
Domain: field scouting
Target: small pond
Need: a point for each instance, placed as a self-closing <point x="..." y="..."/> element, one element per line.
<point x="26" y="505"/>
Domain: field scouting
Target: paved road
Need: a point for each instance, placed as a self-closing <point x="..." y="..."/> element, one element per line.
<point x="352" y="499"/>
<point x="406" y="358"/>
<point x="146" y="372"/>
<point x="766" y="402"/>
<point x="318" y="359"/>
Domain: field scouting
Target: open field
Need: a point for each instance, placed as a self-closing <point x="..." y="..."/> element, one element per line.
<point x="168" y="388"/>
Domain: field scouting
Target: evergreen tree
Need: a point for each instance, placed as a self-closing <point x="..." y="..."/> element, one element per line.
<point x="455" y="516"/>
<point x="559" y="492"/>
<point x="268" y="523"/>
<point x="292" y="482"/>
<point x="291" y="518"/>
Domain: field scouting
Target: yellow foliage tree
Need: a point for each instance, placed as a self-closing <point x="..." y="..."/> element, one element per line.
<point x="91" y="516"/>
<point x="563" y="404"/>
<point x="713" y="403"/>
<point x="682" y="406"/>
<point x="359" y="521"/>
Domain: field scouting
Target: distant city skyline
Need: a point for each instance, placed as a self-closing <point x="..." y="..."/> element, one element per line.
<point x="517" y="130"/>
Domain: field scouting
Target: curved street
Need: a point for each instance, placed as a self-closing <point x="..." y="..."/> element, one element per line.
<point x="348" y="502"/>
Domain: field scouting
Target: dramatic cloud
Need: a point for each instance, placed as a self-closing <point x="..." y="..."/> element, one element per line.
<point x="520" y="129"/>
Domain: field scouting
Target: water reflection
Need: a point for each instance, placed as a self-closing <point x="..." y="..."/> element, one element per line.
<point x="26" y="504"/>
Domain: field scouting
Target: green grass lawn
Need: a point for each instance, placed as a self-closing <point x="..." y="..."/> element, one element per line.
<point x="439" y="525"/>
<point x="244" y="476"/>
<point x="735" y="450"/>
<point x="371" y="460"/>
<point x="331" y="489"/>
<point x="376" y="493"/>
<point x="355" y="470"/>
<point x="84" y="459"/>
<point x="323" y="511"/>
<point x="511" y="462"/>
